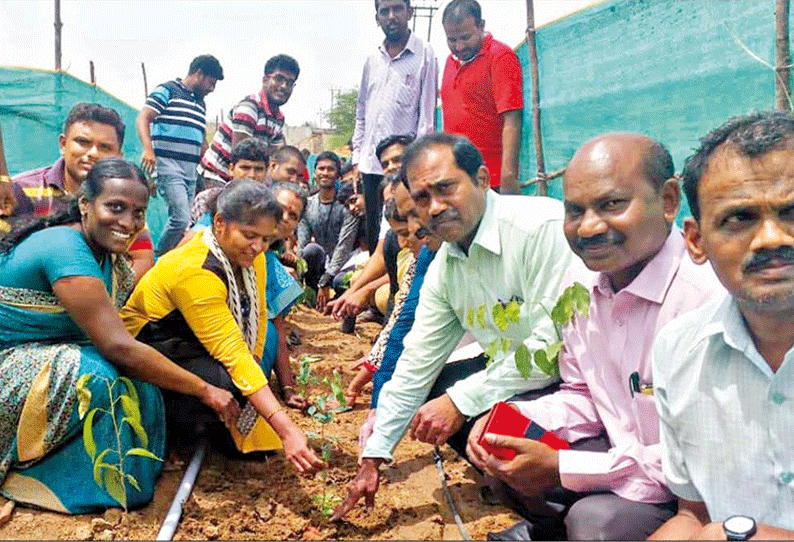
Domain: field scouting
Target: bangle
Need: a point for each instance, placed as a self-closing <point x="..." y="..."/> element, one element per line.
<point x="279" y="409"/>
<point x="5" y="179"/>
<point x="285" y="388"/>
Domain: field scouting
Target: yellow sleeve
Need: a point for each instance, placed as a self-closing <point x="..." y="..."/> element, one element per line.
<point x="261" y="282"/>
<point x="201" y="298"/>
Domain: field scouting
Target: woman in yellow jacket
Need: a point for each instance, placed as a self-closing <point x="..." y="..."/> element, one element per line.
<point x="204" y="306"/>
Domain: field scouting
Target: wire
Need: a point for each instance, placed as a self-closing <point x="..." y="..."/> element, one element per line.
<point x="443" y="476"/>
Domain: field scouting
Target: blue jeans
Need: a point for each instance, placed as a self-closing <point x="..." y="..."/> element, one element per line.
<point x="178" y="193"/>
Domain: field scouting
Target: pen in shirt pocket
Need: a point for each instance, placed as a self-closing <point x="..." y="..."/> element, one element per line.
<point x="636" y="387"/>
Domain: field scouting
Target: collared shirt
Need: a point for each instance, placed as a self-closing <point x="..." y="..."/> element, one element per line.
<point x="727" y="420"/>
<point x="397" y="96"/>
<point x="178" y="129"/>
<point x="518" y="253"/>
<point x="475" y="93"/>
<point x="601" y="352"/>
<point x="253" y="117"/>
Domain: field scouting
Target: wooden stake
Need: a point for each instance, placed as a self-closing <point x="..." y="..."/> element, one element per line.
<point x="58" y="25"/>
<point x="533" y="61"/>
<point x="145" y="85"/>
<point x="782" y="57"/>
<point x="91" y="70"/>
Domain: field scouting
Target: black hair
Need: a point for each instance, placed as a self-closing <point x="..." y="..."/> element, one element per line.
<point x="245" y="201"/>
<point x="208" y="65"/>
<point x="295" y="189"/>
<point x="347" y="167"/>
<point x="346" y="190"/>
<point x="467" y="157"/>
<point x="457" y="10"/>
<point x="406" y="2"/>
<point x="750" y="135"/>
<point x="93" y="112"/>
<point x="282" y="154"/>
<point x="386" y="142"/>
<point x="250" y="148"/>
<point x="390" y="212"/>
<point x="91" y="187"/>
<point x="330" y="155"/>
<point x="284" y="63"/>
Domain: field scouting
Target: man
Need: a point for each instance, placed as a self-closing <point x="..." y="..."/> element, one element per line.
<point x="249" y="158"/>
<point x="171" y="127"/>
<point x="497" y="249"/>
<point x="724" y="373"/>
<point x="91" y="132"/>
<point x="482" y="92"/>
<point x="286" y="165"/>
<point x="397" y="96"/>
<point x="621" y="200"/>
<point x="257" y="115"/>
<point x="389" y="152"/>
<point x="332" y="227"/>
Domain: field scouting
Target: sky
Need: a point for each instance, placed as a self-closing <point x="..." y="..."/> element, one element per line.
<point x="330" y="39"/>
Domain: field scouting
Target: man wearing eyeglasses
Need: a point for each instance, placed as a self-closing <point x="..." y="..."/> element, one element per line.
<point x="258" y="115"/>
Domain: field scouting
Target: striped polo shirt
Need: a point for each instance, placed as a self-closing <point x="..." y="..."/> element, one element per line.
<point x="178" y="129"/>
<point x="251" y="116"/>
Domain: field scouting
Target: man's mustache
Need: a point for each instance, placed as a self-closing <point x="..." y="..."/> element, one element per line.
<point x="446" y="216"/>
<point x="764" y="257"/>
<point x="609" y="238"/>
<point x="422" y="232"/>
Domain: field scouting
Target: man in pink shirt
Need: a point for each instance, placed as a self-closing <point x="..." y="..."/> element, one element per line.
<point x="621" y="198"/>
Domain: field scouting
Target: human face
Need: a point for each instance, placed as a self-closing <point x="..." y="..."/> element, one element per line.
<point x="464" y="38"/>
<point x="325" y="173"/>
<point x="352" y="176"/>
<point x="746" y="227"/>
<point x="392" y="158"/>
<point x="253" y="169"/>
<point x="355" y="204"/>
<point x="204" y="85"/>
<point x="290" y="170"/>
<point x="278" y="87"/>
<point x="393" y="16"/>
<point x="401" y="230"/>
<point x="116" y="216"/>
<point x="615" y="220"/>
<point x="407" y="208"/>
<point x="449" y="202"/>
<point x="242" y="243"/>
<point x="83" y="144"/>
<point x="293" y="208"/>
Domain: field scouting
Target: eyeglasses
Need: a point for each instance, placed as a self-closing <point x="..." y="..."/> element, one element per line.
<point x="281" y="80"/>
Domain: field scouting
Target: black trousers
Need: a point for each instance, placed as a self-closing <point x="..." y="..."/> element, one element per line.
<point x="373" y="206"/>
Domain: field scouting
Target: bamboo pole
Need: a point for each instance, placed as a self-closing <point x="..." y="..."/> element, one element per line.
<point x="58" y="25"/>
<point x="533" y="61"/>
<point x="782" y="57"/>
<point x="145" y="85"/>
<point x="91" y="72"/>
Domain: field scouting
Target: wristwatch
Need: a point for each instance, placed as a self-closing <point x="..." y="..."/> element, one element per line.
<point x="739" y="527"/>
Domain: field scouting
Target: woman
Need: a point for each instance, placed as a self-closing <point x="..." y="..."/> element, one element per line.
<point x="204" y="305"/>
<point x="62" y="279"/>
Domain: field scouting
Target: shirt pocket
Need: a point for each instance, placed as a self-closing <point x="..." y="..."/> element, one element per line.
<point x="646" y="417"/>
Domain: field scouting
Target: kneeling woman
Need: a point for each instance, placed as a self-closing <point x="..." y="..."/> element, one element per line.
<point x="203" y="305"/>
<point x="62" y="280"/>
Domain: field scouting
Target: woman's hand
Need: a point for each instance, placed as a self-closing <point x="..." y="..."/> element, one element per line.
<point x="223" y="403"/>
<point x="295" y="400"/>
<point x="296" y="448"/>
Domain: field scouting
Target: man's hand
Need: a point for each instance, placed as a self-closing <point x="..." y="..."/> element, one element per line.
<point x="366" y="430"/>
<point x="350" y="303"/>
<point x="364" y="485"/>
<point x="147" y="161"/>
<point x="8" y="203"/>
<point x="323" y="293"/>
<point x="436" y="421"/>
<point x="477" y="454"/>
<point x="534" y="469"/>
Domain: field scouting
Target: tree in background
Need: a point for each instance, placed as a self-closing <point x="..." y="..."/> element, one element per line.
<point x="342" y="117"/>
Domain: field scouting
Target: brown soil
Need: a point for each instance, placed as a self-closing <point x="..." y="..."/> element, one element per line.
<point x="264" y="498"/>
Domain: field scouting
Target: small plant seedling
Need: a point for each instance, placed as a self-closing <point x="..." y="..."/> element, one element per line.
<point x="111" y="475"/>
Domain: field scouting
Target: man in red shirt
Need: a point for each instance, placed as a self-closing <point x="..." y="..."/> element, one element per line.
<point x="482" y="92"/>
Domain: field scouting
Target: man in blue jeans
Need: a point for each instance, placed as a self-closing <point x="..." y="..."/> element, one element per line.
<point x="172" y="126"/>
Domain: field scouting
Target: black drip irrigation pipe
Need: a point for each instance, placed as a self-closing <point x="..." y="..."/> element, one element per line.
<point x="443" y="476"/>
<point x="185" y="487"/>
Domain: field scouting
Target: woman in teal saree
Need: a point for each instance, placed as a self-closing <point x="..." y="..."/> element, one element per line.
<point x="62" y="345"/>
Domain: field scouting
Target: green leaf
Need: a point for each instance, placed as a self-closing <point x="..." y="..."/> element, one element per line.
<point x="543" y="363"/>
<point x="133" y="482"/>
<point x="312" y="410"/>
<point x="481" y="316"/>
<point x="490" y="352"/>
<point x="131" y="390"/>
<point x="114" y="485"/>
<point x="523" y="360"/>
<point x="499" y="317"/>
<point x="83" y="395"/>
<point x="139" y="430"/>
<point x="513" y="311"/>
<point x="553" y="351"/>
<point x="88" y="434"/>
<point x="130" y="407"/>
<point x="143" y="452"/>
<point x="581" y="297"/>
<point x="470" y="318"/>
<point x="99" y="465"/>
<point x="506" y="343"/>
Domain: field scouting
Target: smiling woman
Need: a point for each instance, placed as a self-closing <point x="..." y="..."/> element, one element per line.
<point x="62" y="280"/>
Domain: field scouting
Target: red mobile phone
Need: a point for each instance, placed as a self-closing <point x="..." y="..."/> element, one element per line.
<point x="505" y="420"/>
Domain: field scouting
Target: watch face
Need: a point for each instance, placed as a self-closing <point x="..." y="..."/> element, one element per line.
<point x="739" y="527"/>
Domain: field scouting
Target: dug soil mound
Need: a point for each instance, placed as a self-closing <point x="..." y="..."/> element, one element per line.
<point x="244" y="498"/>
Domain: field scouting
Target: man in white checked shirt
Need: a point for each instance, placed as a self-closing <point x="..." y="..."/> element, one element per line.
<point x="397" y="96"/>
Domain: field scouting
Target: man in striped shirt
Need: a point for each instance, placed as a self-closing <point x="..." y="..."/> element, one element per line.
<point x="256" y="115"/>
<point x="172" y="126"/>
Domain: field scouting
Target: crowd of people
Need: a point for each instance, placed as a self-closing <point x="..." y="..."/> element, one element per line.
<point x="672" y="385"/>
